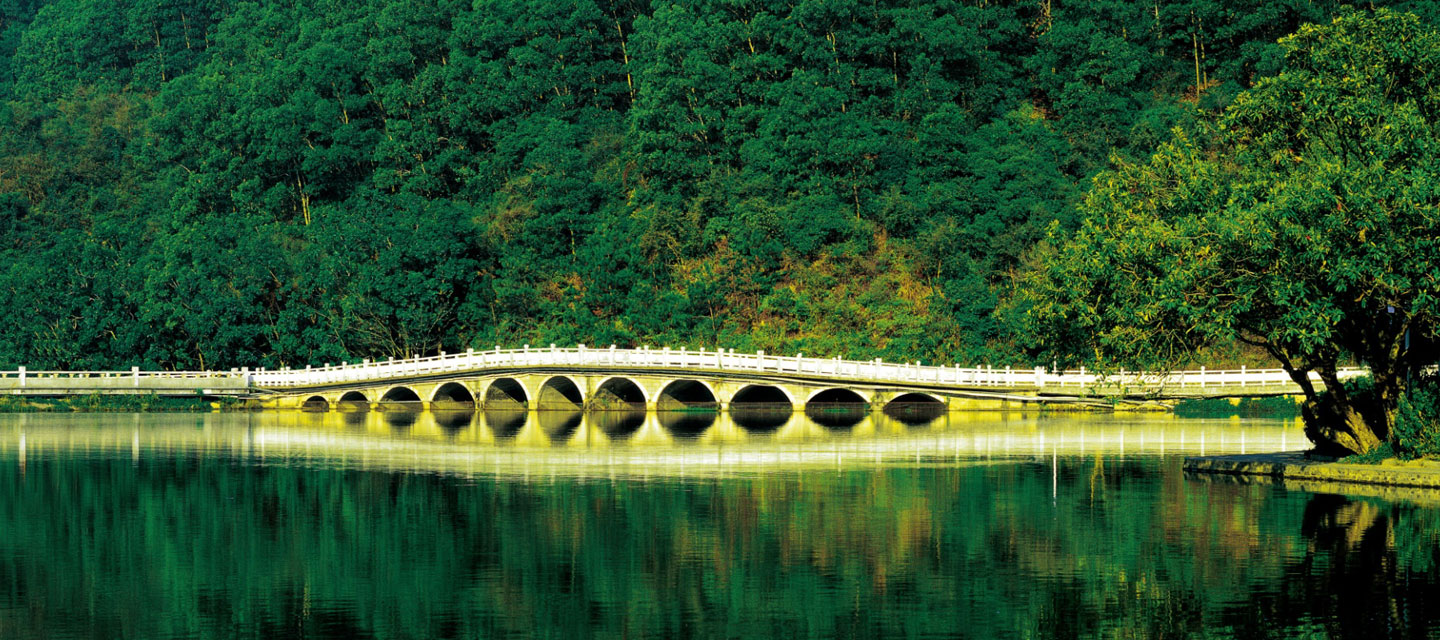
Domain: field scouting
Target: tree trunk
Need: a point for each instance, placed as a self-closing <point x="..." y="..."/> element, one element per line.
<point x="1337" y="424"/>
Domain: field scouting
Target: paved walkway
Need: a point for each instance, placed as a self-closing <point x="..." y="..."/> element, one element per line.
<point x="1295" y="466"/>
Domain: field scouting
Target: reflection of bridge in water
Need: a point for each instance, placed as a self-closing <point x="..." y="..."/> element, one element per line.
<point x="650" y="443"/>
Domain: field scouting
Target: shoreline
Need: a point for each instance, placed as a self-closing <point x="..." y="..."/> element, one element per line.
<point x="1294" y="465"/>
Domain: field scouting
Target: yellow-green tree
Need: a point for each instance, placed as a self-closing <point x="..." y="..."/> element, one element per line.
<point x="1307" y="226"/>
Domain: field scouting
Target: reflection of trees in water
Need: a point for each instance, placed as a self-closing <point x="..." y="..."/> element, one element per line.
<point x="993" y="550"/>
<point x="1358" y="572"/>
<point x="686" y="425"/>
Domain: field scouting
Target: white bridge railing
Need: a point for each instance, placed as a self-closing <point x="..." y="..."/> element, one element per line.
<point x="759" y="362"/>
<point x="869" y="371"/>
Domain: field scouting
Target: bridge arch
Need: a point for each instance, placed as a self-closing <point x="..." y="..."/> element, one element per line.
<point x="624" y="390"/>
<point x="914" y="397"/>
<point x="915" y="408"/>
<point x="507" y="394"/>
<point x="762" y="408"/>
<point x="762" y="394"/>
<point x="400" y="394"/>
<point x="454" y="392"/>
<point x="836" y="408"/>
<point x="315" y="403"/>
<point x="353" y="400"/>
<point x="686" y="394"/>
<point x="560" y="393"/>
<point x="836" y="395"/>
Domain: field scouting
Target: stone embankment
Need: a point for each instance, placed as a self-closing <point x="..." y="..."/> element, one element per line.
<point x="1296" y="466"/>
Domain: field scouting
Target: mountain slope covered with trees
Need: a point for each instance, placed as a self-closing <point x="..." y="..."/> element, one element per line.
<point x="209" y="183"/>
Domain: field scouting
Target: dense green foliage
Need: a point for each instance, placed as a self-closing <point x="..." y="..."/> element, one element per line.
<point x="1417" y="420"/>
<point x="211" y="183"/>
<point x="1307" y="224"/>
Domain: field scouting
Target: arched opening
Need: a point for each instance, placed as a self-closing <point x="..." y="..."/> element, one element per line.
<point x="315" y="403"/>
<point x="686" y="425"/>
<point x="505" y="423"/>
<point x="837" y="409"/>
<point x="506" y="394"/>
<point x="915" y="409"/>
<point x="560" y="394"/>
<point x="452" y="396"/>
<point x="758" y="396"/>
<point x="401" y="398"/>
<point x="618" y="425"/>
<point x="559" y="425"/>
<point x="686" y="395"/>
<point x="353" y="401"/>
<point x="761" y="408"/>
<point x="618" y="394"/>
<point x="453" y="422"/>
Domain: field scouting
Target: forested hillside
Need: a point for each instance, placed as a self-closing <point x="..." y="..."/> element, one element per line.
<point x="209" y="183"/>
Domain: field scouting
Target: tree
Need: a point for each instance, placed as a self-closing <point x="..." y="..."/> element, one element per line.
<point x="1307" y="227"/>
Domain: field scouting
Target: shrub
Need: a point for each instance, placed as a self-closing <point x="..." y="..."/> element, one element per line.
<point x="1416" y="431"/>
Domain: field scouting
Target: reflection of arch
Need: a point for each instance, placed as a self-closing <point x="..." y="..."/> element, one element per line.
<point x="618" y="393"/>
<point x="315" y="403"/>
<point x="559" y="393"/>
<point x="915" y="408"/>
<point x="762" y="394"/>
<point x="453" y="422"/>
<point x="401" y="421"/>
<point x="400" y="394"/>
<point x="354" y="419"/>
<point x="505" y="423"/>
<point x="686" y="425"/>
<point x="762" y="418"/>
<point x="559" y="425"/>
<point x="686" y="394"/>
<point x="618" y="425"/>
<point x="454" y="393"/>
<point x="353" y="400"/>
<point x="506" y="394"/>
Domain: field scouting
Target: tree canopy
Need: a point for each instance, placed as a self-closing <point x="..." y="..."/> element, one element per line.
<point x="1307" y="225"/>
<point x="207" y="183"/>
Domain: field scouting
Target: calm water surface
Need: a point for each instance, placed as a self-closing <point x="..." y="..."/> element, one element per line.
<point x="373" y="525"/>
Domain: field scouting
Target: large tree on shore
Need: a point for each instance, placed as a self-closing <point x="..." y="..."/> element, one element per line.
<point x="1308" y="225"/>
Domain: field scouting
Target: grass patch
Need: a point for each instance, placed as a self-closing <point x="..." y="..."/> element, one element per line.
<point x="1376" y="456"/>
<point x="1273" y="407"/>
<point x="105" y="403"/>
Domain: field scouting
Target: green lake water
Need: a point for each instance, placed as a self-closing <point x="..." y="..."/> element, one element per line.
<point x="385" y="525"/>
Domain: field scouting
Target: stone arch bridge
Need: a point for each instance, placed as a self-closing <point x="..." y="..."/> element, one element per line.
<point x="588" y="378"/>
